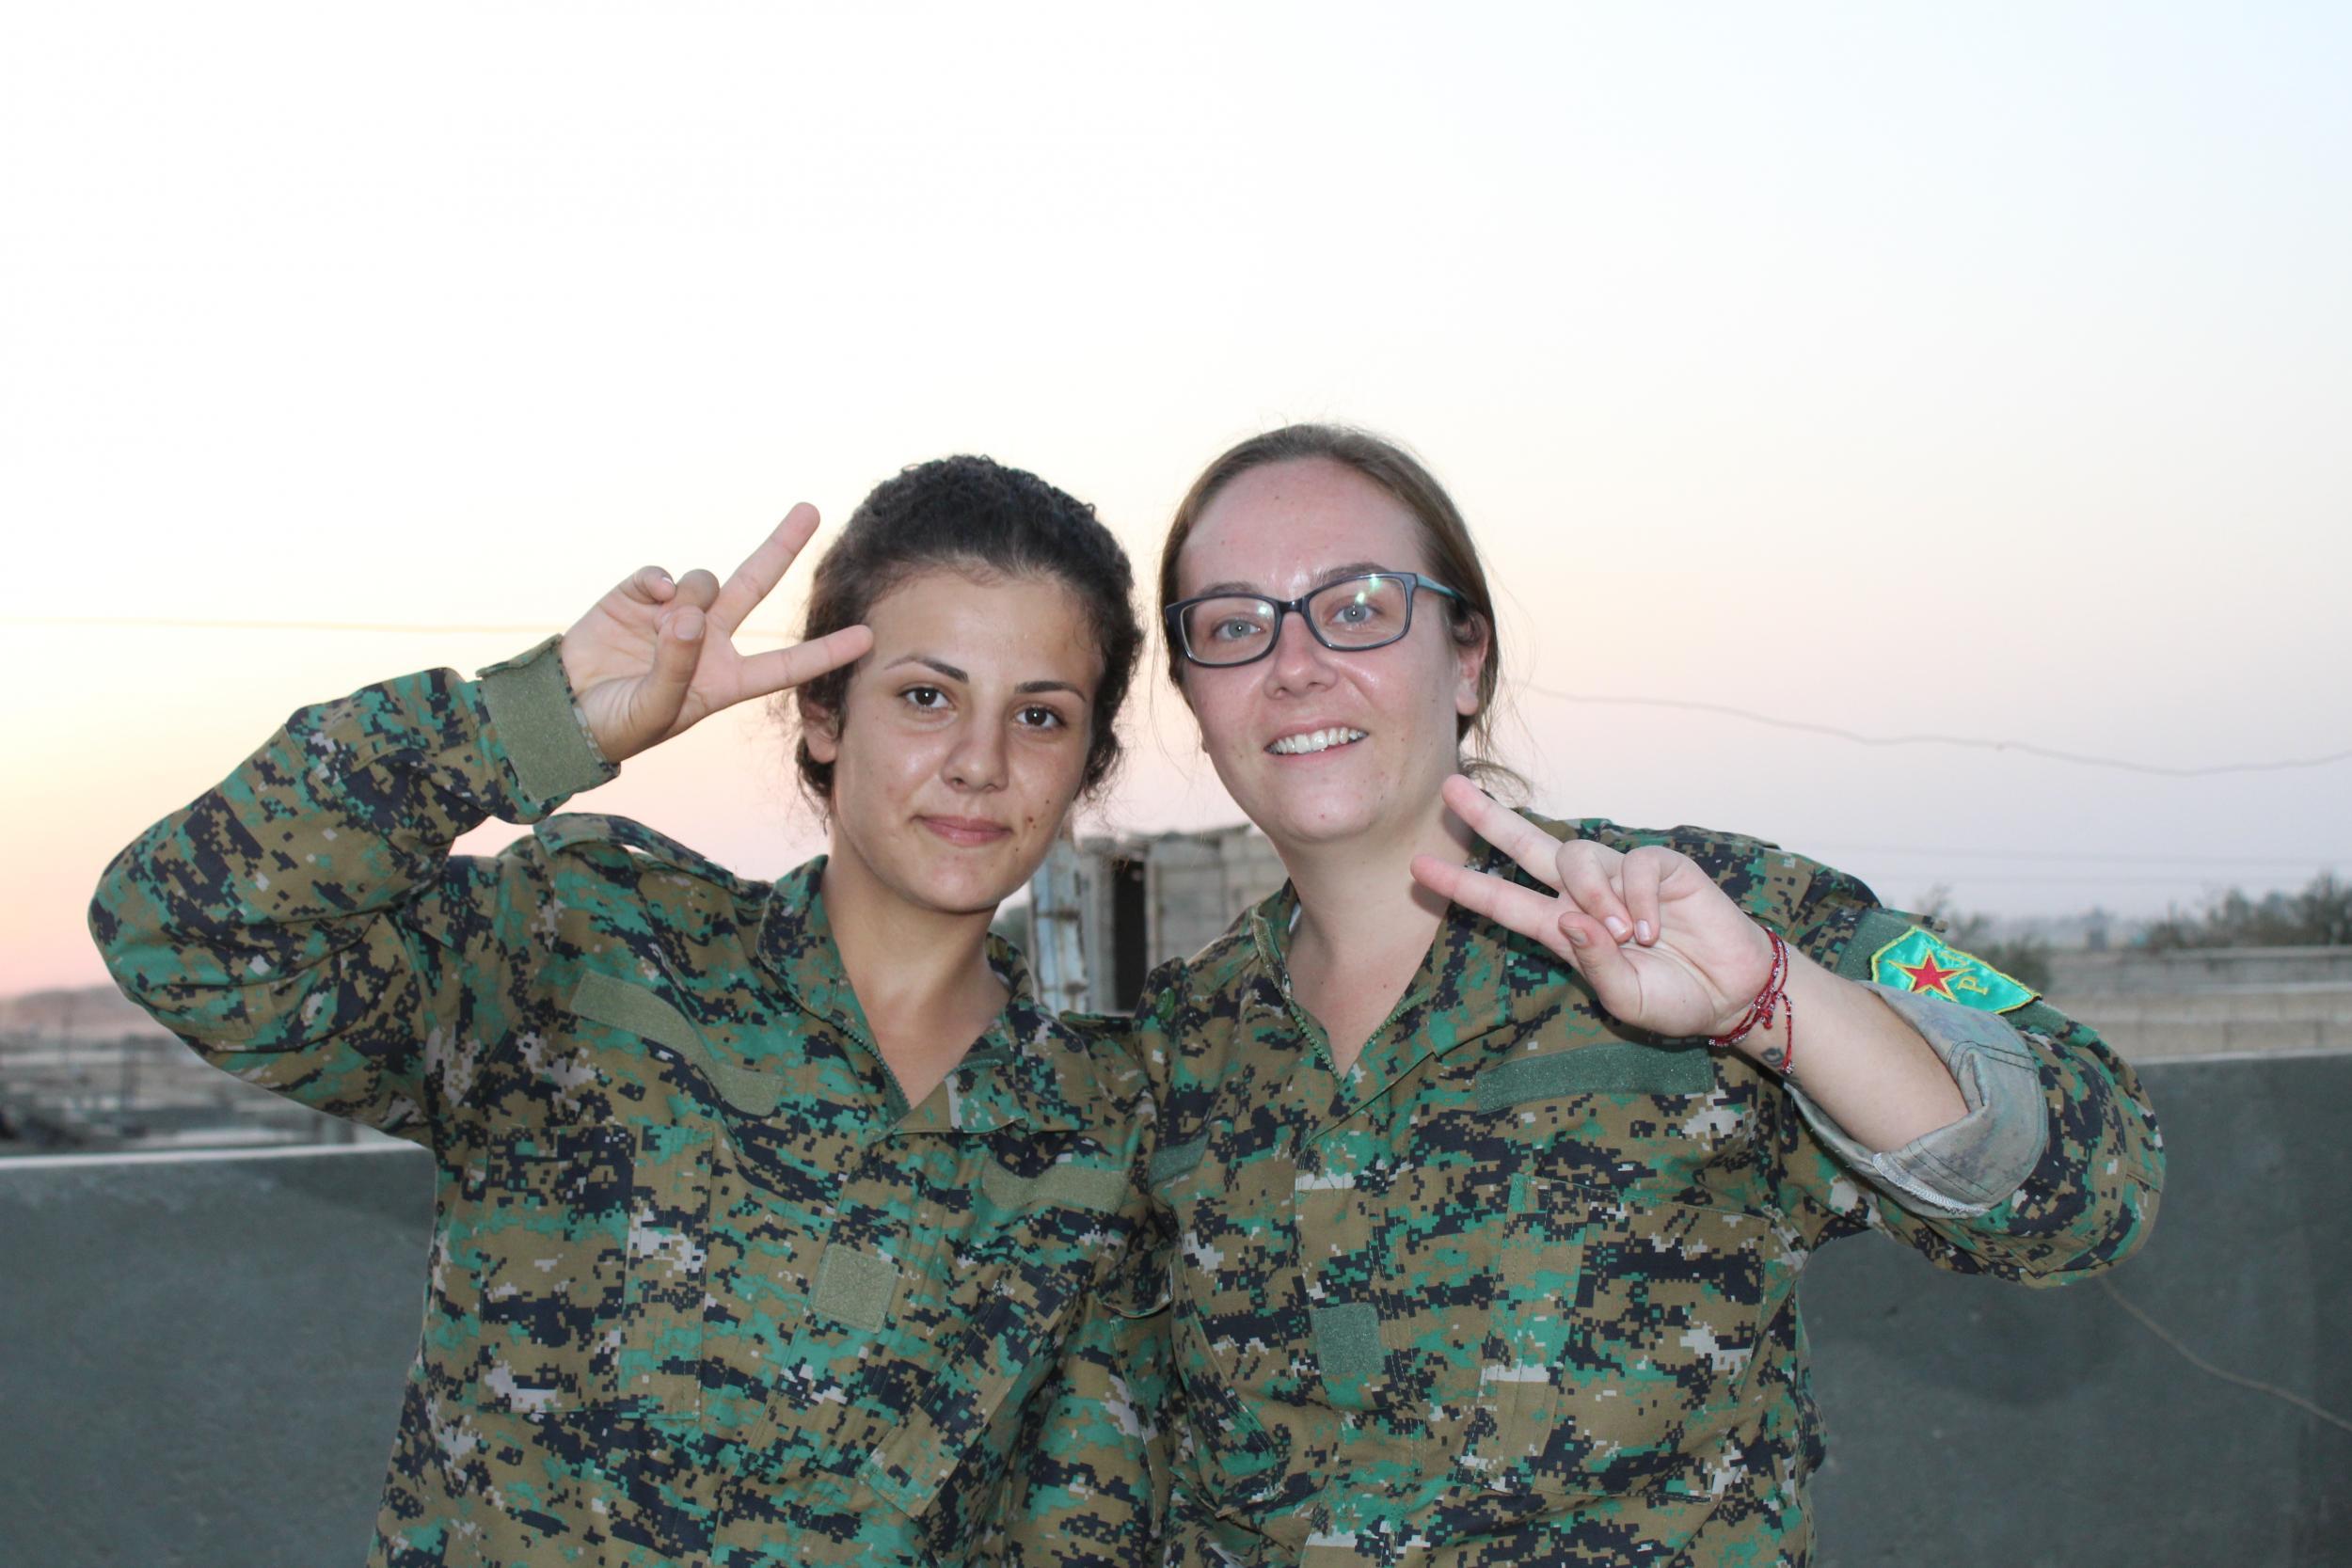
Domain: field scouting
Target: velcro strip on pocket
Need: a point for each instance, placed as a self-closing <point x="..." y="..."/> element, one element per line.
<point x="1619" y="1067"/>
<point x="1077" y="1187"/>
<point x="1070" y="1186"/>
<point x="1177" y="1159"/>
<point x="1347" y="1340"/>
<point x="855" y="1288"/>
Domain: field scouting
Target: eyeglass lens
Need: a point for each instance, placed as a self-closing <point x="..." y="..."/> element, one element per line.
<point x="1353" y="612"/>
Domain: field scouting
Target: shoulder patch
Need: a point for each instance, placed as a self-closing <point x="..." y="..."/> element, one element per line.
<point x="1921" y="962"/>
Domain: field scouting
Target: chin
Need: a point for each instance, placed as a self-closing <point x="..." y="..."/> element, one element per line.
<point x="1306" y="822"/>
<point x="969" y="894"/>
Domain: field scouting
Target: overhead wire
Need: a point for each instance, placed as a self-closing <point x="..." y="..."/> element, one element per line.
<point x="1729" y="710"/>
<point x="2023" y="748"/>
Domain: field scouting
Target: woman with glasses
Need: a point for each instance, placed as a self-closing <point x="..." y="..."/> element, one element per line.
<point x="765" y="1212"/>
<point x="1493" y="1144"/>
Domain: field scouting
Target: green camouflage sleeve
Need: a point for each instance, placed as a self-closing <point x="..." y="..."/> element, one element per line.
<point x="305" y="926"/>
<point x="2056" y="1170"/>
<point x="1087" y="1480"/>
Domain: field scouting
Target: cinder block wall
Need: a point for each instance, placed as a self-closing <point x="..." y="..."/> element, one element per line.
<point x="2154" y="1004"/>
<point x="202" y="1361"/>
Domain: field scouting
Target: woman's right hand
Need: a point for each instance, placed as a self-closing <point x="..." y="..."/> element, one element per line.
<point x="655" y="655"/>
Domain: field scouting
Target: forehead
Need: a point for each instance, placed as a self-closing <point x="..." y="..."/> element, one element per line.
<point x="1017" y="628"/>
<point x="1281" y="527"/>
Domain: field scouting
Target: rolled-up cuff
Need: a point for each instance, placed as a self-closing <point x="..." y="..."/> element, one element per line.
<point x="536" y="724"/>
<point x="1975" y="1164"/>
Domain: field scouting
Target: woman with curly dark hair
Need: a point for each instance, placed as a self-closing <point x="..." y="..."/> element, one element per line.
<point x="763" y="1211"/>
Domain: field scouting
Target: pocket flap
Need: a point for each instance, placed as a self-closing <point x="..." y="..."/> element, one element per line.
<point x="603" y="999"/>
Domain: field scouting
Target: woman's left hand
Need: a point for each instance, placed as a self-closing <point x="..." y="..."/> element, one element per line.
<point x="1660" y="945"/>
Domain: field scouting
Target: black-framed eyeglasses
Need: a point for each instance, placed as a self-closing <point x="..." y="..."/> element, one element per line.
<point x="1348" y="615"/>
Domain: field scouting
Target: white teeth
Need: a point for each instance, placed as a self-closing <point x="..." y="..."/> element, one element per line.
<point x="1319" y="740"/>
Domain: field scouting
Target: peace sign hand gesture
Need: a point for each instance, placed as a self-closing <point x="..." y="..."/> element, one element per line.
<point x="645" y="666"/>
<point x="1662" y="947"/>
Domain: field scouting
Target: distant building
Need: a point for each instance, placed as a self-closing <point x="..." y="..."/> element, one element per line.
<point x="85" y="1071"/>
<point x="1103" y="912"/>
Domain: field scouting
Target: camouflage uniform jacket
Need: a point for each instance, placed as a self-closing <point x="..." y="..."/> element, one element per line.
<point x="704" y="1289"/>
<point x="1520" y="1286"/>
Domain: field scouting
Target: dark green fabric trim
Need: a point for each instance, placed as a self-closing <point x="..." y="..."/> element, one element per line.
<point x="1175" y="1160"/>
<point x="602" y="999"/>
<point x="529" y="705"/>
<point x="1873" y="931"/>
<point x="1347" y="1340"/>
<point x="855" y="1288"/>
<point x="1620" y="1067"/>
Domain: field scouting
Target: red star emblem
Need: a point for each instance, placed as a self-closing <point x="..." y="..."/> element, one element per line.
<point x="1929" y="975"/>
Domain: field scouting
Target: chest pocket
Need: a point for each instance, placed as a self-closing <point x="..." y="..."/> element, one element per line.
<point x="573" y="1280"/>
<point x="1629" y="1300"/>
<point x="578" y="1244"/>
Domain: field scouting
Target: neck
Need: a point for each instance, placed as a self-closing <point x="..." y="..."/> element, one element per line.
<point x="898" y="958"/>
<point x="1358" y="898"/>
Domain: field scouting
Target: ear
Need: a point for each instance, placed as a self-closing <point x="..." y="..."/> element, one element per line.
<point x="821" y="728"/>
<point x="1470" y="658"/>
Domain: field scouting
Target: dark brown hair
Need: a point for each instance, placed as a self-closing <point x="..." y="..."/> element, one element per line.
<point x="1444" y="537"/>
<point x="974" y="516"/>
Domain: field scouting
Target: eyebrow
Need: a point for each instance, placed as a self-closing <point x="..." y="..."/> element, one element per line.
<point x="943" y="667"/>
<point x="1328" y="575"/>
<point x="927" y="662"/>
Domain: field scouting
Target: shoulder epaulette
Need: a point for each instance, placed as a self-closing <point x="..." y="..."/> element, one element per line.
<point x="574" y="831"/>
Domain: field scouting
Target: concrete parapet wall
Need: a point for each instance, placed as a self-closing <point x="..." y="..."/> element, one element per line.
<point x="2144" y="1028"/>
<point x="2076" y="973"/>
<point x="204" y="1359"/>
<point x="2223" y="999"/>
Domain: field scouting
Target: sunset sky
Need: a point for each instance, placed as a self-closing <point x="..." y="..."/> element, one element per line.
<point x="1980" y="371"/>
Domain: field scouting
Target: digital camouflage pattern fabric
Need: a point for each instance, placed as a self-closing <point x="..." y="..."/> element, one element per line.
<point x="704" y="1289"/>
<point x="1520" y="1286"/>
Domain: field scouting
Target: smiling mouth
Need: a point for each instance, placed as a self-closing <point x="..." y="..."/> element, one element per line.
<point x="1314" y="741"/>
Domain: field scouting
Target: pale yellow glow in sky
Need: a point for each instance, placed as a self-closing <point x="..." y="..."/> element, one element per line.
<point x="1974" y="371"/>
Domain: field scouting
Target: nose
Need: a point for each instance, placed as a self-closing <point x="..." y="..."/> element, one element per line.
<point x="1298" y="662"/>
<point x="977" y="759"/>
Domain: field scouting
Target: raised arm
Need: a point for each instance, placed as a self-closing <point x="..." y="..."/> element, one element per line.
<point x="1999" y="1137"/>
<point x="1665" y="950"/>
<point x="304" y="925"/>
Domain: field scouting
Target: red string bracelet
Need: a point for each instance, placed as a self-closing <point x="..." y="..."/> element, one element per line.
<point x="1769" y="1002"/>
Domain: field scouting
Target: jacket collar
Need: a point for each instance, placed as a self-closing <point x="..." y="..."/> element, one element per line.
<point x="1013" y="1073"/>
<point x="1476" y="977"/>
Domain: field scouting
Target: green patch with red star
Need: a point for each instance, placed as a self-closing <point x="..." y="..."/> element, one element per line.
<point x="1919" y="962"/>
